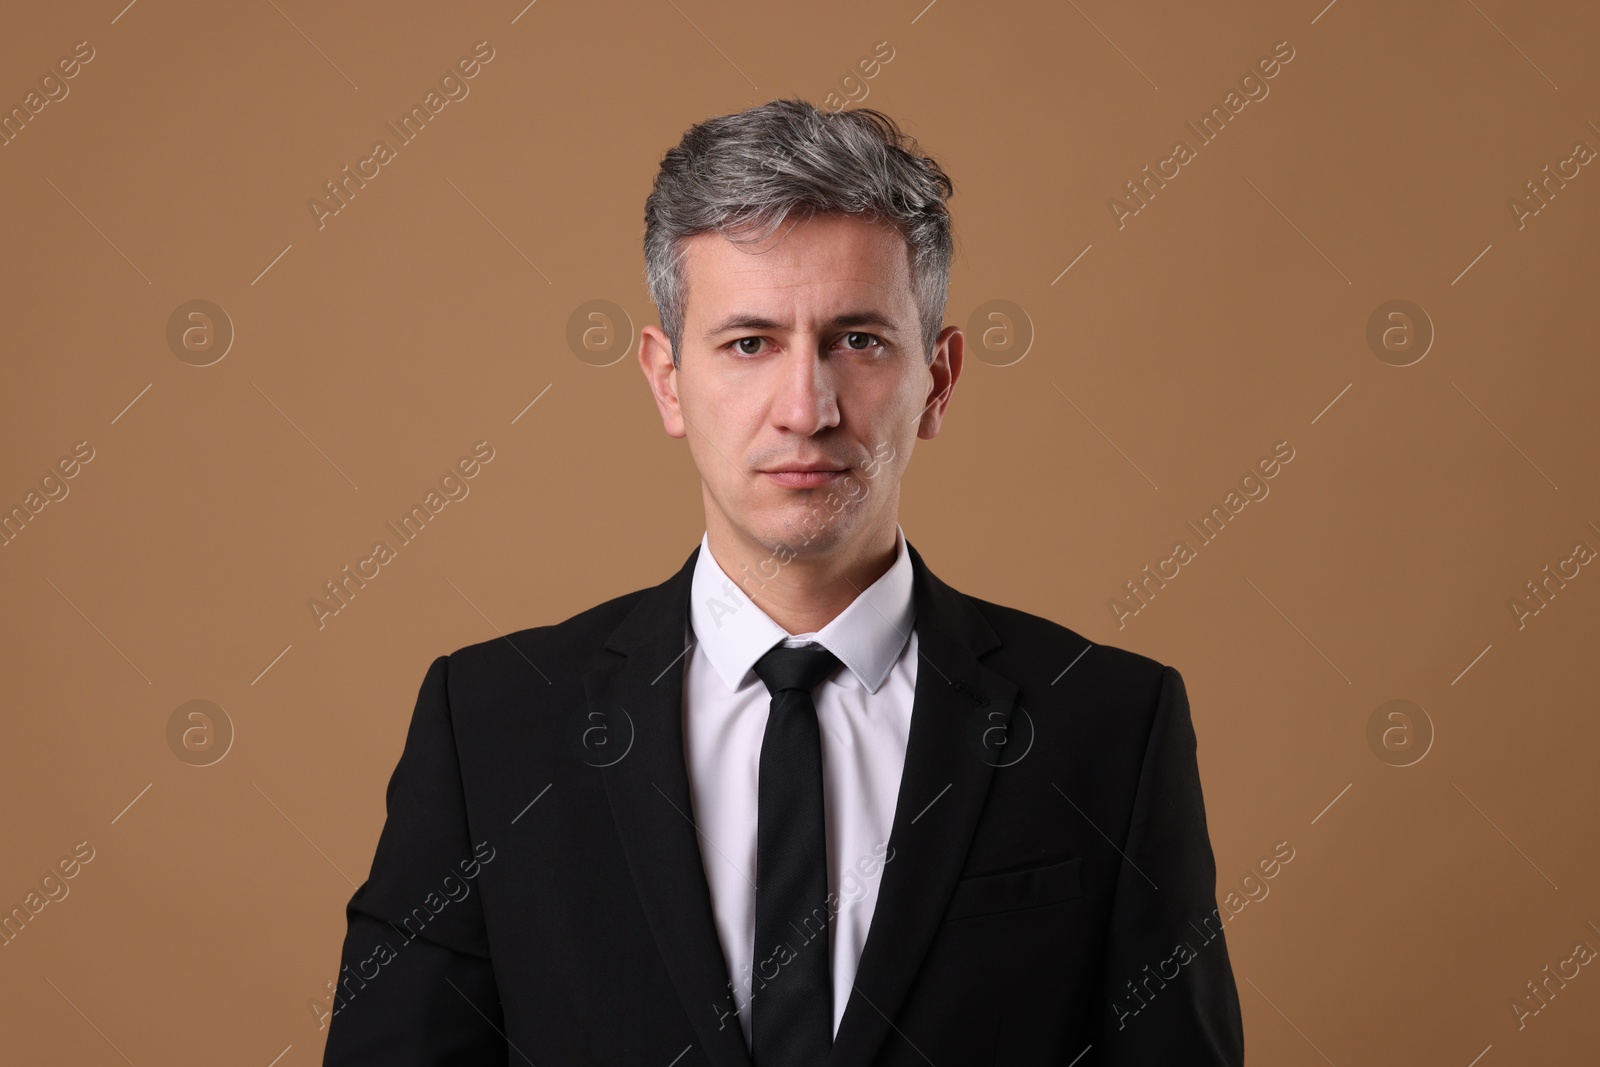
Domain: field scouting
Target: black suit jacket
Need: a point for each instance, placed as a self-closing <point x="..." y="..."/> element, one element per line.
<point x="538" y="895"/>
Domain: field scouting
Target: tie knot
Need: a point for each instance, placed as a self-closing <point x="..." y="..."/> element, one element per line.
<point x="783" y="667"/>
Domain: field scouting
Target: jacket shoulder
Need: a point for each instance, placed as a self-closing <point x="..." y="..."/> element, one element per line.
<point x="1057" y="649"/>
<point x="572" y="642"/>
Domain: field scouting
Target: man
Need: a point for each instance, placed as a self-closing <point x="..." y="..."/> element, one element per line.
<point x="802" y="802"/>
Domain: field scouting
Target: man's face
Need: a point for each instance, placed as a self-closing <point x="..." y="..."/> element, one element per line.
<point x="803" y="351"/>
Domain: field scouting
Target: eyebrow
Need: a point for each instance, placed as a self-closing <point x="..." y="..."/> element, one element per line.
<point x="748" y="321"/>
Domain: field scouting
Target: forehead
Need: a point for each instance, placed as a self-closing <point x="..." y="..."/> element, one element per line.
<point x="821" y="261"/>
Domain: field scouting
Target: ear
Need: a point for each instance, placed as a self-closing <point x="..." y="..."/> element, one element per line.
<point x="655" y="359"/>
<point x="948" y="351"/>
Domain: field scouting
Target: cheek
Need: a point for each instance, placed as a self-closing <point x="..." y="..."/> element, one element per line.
<point x="900" y="423"/>
<point x="717" y="408"/>
<point x="880" y="410"/>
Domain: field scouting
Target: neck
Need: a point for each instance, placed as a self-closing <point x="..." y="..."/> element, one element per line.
<point x="810" y="590"/>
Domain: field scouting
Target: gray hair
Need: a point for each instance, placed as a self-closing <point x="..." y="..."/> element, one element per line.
<point x="746" y="172"/>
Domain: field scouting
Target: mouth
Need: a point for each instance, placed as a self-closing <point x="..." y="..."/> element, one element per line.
<point x="798" y="478"/>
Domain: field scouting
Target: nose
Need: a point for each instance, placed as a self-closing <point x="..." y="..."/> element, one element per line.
<point x="805" y="399"/>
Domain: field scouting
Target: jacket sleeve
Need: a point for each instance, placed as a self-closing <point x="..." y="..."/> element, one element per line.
<point x="415" y="981"/>
<point x="1168" y="992"/>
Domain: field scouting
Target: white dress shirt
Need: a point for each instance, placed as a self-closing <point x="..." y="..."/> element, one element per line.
<point x="864" y="713"/>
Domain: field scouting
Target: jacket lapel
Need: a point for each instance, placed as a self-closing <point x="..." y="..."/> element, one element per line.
<point x="942" y="790"/>
<point x="958" y="703"/>
<point x="648" y="790"/>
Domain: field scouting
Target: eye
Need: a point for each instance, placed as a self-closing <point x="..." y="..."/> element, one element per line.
<point x="738" y="345"/>
<point x="869" y="340"/>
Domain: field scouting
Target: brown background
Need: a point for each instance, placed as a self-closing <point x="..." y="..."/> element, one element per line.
<point x="371" y="353"/>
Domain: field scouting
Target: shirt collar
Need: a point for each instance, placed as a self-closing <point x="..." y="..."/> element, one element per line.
<point x="867" y="636"/>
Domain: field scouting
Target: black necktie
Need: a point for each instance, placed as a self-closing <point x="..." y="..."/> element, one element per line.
<point x="791" y="1020"/>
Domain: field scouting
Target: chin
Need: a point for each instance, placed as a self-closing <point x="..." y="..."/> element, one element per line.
<point x="822" y="533"/>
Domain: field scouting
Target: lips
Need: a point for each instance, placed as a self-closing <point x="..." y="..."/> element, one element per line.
<point x="805" y="477"/>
